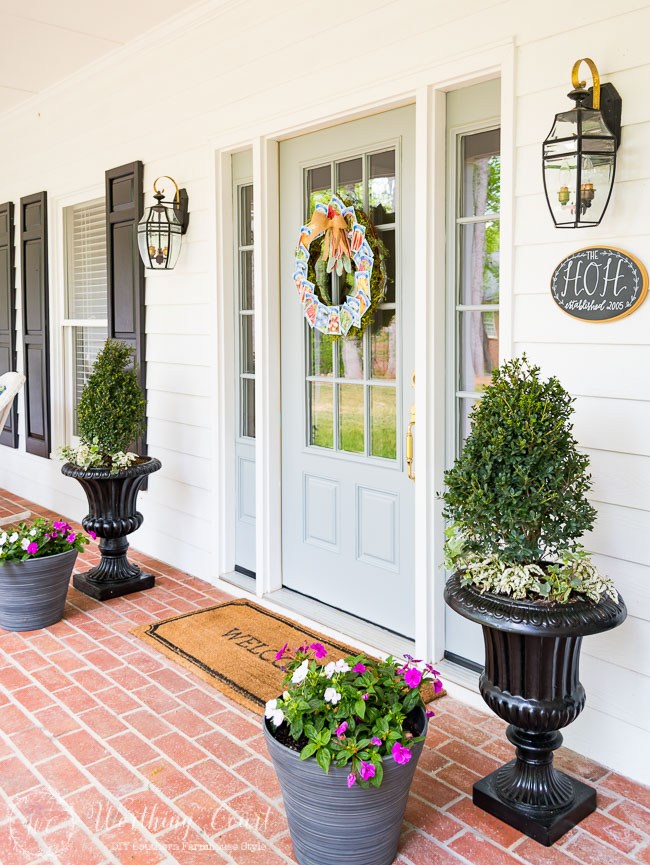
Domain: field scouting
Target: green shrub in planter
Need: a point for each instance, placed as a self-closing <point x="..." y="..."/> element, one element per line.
<point x="111" y="411"/>
<point x="517" y="495"/>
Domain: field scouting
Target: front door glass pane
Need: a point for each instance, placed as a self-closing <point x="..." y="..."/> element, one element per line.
<point x="350" y="180"/>
<point x="348" y="417"/>
<point x="351" y="418"/>
<point x="322" y="414"/>
<point x="383" y="344"/>
<point x="382" y="422"/>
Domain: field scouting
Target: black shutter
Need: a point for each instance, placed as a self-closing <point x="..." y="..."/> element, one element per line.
<point x="35" y="311"/>
<point x="126" y="308"/>
<point x="9" y="435"/>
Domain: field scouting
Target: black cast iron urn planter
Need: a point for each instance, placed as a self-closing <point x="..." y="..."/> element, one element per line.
<point x="112" y="516"/>
<point x="531" y="680"/>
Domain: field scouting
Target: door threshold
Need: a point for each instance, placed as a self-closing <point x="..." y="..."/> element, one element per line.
<point x="459" y="675"/>
<point x="330" y="617"/>
<point x="242" y="581"/>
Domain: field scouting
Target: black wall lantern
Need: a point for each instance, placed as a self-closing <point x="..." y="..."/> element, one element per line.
<point x="579" y="154"/>
<point x="161" y="228"/>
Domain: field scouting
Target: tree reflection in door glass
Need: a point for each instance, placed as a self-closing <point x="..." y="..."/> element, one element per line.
<point x="350" y="180"/>
<point x="351" y="358"/>
<point x="322" y="414"/>
<point x="381" y="182"/>
<point x="383" y="346"/>
<point x="320" y="353"/>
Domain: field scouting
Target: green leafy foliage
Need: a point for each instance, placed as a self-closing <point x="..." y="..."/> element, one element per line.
<point x="516" y="496"/>
<point x="112" y="406"/>
<point x="519" y="487"/>
<point x="350" y="712"/>
<point x="38" y="539"/>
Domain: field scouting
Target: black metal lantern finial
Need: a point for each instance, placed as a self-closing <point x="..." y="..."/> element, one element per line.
<point x="161" y="228"/>
<point x="579" y="154"/>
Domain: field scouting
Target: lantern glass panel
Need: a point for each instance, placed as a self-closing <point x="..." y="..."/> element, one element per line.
<point x="579" y="138"/>
<point x="159" y="238"/>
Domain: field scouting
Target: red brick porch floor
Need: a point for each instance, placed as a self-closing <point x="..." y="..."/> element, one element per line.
<point x="109" y="753"/>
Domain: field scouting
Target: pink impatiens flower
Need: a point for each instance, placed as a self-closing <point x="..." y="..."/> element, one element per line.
<point x="367" y="771"/>
<point x="280" y="654"/>
<point x="437" y="686"/>
<point x="93" y="535"/>
<point x="71" y="538"/>
<point x="359" y="668"/>
<point x="32" y="549"/>
<point x="412" y="677"/>
<point x="430" y="714"/>
<point x="400" y="754"/>
<point x="352" y="779"/>
<point x="375" y="741"/>
<point x="340" y="730"/>
<point x="319" y="650"/>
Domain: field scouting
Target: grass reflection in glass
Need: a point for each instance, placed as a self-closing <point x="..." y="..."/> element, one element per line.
<point x="351" y="418"/>
<point x="322" y="415"/>
<point x="383" y="426"/>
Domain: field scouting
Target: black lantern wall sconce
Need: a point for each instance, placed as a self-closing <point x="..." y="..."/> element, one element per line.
<point x="161" y="228"/>
<point x="579" y="154"/>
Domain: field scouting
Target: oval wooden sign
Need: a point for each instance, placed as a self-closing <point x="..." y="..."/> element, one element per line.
<point x="599" y="283"/>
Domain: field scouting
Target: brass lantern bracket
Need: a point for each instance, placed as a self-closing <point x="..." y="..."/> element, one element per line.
<point x="180" y="202"/>
<point x="602" y="97"/>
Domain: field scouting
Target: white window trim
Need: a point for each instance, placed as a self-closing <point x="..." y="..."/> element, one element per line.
<point x="61" y="336"/>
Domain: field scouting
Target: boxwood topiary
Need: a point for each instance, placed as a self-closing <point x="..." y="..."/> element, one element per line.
<point x="518" y="490"/>
<point x="111" y="411"/>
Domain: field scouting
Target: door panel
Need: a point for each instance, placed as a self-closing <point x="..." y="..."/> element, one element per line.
<point x="347" y="503"/>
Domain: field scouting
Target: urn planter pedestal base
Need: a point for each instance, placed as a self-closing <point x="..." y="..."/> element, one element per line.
<point x="531" y="680"/>
<point x="105" y="591"/>
<point x="544" y="825"/>
<point x="112" y="516"/>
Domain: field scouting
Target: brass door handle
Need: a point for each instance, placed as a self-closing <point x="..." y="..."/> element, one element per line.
<point x="409" y="445"/>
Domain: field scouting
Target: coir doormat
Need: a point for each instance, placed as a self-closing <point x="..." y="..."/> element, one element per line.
<point x="233" y="647"/>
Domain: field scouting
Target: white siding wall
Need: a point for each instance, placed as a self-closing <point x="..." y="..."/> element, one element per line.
<point x="249" y="68"/>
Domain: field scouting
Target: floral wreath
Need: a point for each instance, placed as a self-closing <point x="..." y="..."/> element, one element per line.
<point x="344" y="245"/>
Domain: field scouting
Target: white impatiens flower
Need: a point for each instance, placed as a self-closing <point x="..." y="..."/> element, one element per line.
<point x="3" y="538"/>
<point x="275" y="715"/>
<point x="13" y="538"/>
<point x="300" y="674"/>
<point x="332" y="696"/>
<point x="25" y="543"/>
<point x="339" y="666"/>
<point x="286" y="695"/>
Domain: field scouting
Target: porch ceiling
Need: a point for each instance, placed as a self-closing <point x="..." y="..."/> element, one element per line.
<point x="43" y="42"/>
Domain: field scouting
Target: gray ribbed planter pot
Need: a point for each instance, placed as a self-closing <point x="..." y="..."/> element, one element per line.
<point x="333" y="825"/>
<point x="33" y="592"/>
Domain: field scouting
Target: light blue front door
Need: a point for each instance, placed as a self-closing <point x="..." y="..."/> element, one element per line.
<point x="347" y="501"/>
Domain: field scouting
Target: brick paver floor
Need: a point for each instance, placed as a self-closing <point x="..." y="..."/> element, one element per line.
<point x="110" y="753"/>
